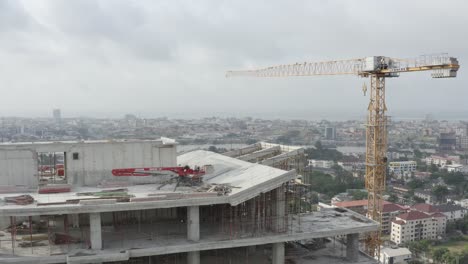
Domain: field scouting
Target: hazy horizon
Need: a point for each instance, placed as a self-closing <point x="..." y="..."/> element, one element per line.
<point x="285" y="115"/>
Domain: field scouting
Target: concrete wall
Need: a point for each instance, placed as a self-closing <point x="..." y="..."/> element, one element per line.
<point x="18" y="167"/>
<point x="95" y="160"/>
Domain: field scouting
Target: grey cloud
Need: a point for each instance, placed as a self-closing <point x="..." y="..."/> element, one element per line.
<point x="124" y="56"/>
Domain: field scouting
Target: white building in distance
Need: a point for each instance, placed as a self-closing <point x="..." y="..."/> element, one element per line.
<point x="394" y="255"/>
<point x="415" y="225"/>
<point x="402" y="168"/>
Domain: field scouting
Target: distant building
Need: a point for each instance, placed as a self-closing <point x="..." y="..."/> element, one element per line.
<point x="400" y="191"/>
<point x="463" y="203"/>
<point x="402" y="168"/>
<point x="330" y="133"/>
<point x="454" y="167"/>
<point x="447" y="141"/>
<point x="451" y="211"/>
<point x="442" y="160"/>
<point x="56" y="114"/>
<point x="422" y="175"/>
<point x="395" y="255"/>
<point x="463" y="142"/>
<point x="428" y="197"/>
<point x="327" y="164"/>
<point x="416" y="225"/>
<point x="389" y="211"/>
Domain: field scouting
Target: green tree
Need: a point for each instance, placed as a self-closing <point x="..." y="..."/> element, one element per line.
<point x="418" y="247"/>
<point x="393" y="198"/>
<point x="318" y="145"/>
<point x="433" y="168"/>
<point x="359" y="195"/>
<point x="438" y="254"/>
<point x="440" y="192"/>
<point x="321" y="153"/>
<point x="418" y="199"/>
<point x="453" y="178"/>
<point x="415" y="184"/>
<point x="417" y="154"/>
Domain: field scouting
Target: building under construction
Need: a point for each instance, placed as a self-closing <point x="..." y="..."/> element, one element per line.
<point x="65" y="202"/>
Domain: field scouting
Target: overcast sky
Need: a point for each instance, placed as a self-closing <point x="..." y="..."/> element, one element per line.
<point x="154" y="58"/>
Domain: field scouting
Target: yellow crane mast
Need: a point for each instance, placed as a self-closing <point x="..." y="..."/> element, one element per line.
<point x="377" y="68"/>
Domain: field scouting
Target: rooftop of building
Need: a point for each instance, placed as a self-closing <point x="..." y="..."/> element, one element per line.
<point x="424" y="207"/>
<point x="387" y="206"/>
<point x="413" y="215"/>
<point x="427" y="208"/>
<point x="162" y="140"/>
<point x="449" y="207"/>
<point x="399" y="222"/>
<point x="392" y="207"/>
<point x="395" y="252"/>
<point x="423" y="192"/>
<point x="265" y="153"/>
<point x="242" y="179"/>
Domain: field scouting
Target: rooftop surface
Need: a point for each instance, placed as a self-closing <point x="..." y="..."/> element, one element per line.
<point x="245" y="180"/>
<point x="352" y="203"/>
<point x="162" y="140"/>
<point x="395" y="252"/>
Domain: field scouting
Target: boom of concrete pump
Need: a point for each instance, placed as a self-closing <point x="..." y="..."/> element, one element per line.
<point x="377" y="68"/>
<point x="185" y="173"/>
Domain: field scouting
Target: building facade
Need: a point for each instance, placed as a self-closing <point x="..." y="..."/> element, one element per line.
<point x="326" y="164"/>
<point x="402" y="168"/>
<point x="416" y="225"/>
<point x="395" y="255"/>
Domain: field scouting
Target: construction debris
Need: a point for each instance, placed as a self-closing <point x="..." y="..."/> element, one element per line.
<point x="31" y="244"/>
<point x="24" y="199"/>
<point x="112" y="192"/>
<point x="113" y="184"/>
<point x="35" y="237"/>
<point x="220" y="189"/>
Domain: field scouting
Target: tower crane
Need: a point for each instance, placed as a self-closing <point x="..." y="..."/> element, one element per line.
<point x="377" y="68"/>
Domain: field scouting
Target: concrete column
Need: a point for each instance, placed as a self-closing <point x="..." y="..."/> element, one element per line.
<point x="278" y="253"/>
<point x="193" y="232"/>
<point x="75" y="218"/>
<point x="352" y="247"/>
<point x="193" y="223"/>
<point x="280" y="209"/>
<point x="95" y="230"/>
<point x="193" y="257"/>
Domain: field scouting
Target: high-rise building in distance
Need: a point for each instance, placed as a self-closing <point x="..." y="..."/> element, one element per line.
<point x="57" y="115"/>
<point x="330" y="133"/>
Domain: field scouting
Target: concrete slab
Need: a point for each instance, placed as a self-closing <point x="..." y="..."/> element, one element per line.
<point x="247" y="179"/>
<point x="326" y="223"/>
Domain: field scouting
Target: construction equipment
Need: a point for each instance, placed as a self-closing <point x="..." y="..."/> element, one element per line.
<point x="183" y="173"/>
<point x="377" y="68"/>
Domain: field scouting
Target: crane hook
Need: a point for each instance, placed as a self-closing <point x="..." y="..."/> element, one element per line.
<point x="364" y="89"/>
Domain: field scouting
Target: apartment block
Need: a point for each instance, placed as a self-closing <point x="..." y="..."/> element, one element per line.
<point x="415" y="225"/>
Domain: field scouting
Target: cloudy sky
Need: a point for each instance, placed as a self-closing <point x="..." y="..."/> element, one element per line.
<point x="154" y="58"/>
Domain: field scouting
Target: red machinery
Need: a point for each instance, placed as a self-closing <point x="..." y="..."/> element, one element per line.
<point x="182" y="172"/>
